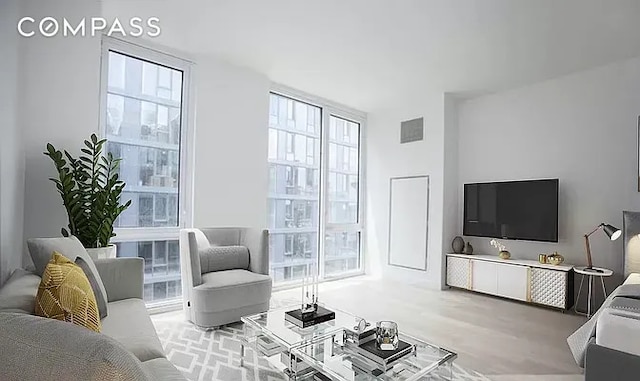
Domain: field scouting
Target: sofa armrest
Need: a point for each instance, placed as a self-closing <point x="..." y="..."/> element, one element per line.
<point x="257" y="241"/>
<point x="618" y="326"/>
<point x="38" y="348"/>
<point x="602" y="363"/>
<point x="123" y="278"/>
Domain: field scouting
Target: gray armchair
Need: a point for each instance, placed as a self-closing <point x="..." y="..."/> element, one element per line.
<point x="225" y="274"/>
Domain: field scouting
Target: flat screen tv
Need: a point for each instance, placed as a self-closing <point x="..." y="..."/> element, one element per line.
<point x="524" y="210"/>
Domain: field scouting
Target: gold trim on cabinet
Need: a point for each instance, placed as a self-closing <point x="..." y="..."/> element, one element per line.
<point x="529" y="284"/>
<point x="470" y="277"/>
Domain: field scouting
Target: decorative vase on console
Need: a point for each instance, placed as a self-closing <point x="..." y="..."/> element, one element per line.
<point x="555" y="259"/>
<point x="502" y="249"/>
<point x="457" y="245"/>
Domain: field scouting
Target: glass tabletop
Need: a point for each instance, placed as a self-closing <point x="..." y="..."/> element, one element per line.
<point x="273" y="324"/>
<point x="342" y="360"/>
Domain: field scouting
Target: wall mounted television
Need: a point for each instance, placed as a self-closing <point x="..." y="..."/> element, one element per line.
<point x="522" y="210"/>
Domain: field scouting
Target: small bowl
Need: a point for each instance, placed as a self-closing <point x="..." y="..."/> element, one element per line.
<point x="555" y="259"/>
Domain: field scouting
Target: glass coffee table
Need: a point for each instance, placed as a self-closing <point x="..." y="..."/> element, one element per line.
<point x="338" y="359"/>
<point x="322" y="352"/>
<point x="269" y="334"/>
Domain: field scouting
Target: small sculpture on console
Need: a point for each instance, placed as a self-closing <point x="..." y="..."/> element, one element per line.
<point x="555" y="259"/>
<point x="457" y="245"/>
<point x="310" y="312"/>
<point x="310" y="292"/>
<point x="503" y="253"/>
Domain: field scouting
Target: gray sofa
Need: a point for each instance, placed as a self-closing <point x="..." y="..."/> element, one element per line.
<point x="127" y="348"/>
<point x="225" y="274"/>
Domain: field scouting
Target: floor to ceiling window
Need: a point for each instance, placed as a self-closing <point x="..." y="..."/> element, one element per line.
<point x="342" y="227"/>
<point x="314" y="189"/>
<point x="144" y="106"/>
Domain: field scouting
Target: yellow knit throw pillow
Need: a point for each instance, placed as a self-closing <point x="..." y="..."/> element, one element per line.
<point x="65" y="294"/>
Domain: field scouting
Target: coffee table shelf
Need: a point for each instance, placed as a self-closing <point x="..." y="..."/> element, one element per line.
<point x="322" y="352"/>
<point x="340" y="360"/>
<point x="273" y="326"/>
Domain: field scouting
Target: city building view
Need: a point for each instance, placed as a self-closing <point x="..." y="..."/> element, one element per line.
<point x="295" y="178"/>
<point x="144" y="102"/>
<point x="144" y="129"/>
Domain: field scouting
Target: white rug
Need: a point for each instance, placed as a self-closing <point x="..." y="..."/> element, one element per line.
<point x="214" y="355"/>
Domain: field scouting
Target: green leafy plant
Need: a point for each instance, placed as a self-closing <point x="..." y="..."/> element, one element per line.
<point x="90" y="189"/>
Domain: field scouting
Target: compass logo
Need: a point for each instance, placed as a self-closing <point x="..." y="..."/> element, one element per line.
<point x="50" y="27"/>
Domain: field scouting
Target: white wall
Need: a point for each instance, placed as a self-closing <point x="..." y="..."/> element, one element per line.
<point x="11" y="153"/>
<point x="582" y="129"/>
<point x="59" y="103"/>
<point x="386" y="158"/>
<point x="231" y="171"/>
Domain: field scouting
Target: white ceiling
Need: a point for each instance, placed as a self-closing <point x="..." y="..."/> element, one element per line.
<point x="367" y="53"/>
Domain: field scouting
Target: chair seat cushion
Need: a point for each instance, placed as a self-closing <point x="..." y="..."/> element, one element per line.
<point x="231" y="289"/>
<point x="129" y="324"/>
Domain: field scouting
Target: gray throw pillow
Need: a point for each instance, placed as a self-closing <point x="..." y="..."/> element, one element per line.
<point x="18" y="294"/>
<point x="38" y="348"/>
<point x="95" y="286"/>
<point x="220" y="258"/>
<point x="41" y="250"/>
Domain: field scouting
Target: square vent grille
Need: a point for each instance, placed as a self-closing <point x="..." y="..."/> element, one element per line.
<point x="412" y="130"/>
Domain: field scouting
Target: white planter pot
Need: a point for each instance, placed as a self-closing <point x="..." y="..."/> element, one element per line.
<point x="102" y="252"/>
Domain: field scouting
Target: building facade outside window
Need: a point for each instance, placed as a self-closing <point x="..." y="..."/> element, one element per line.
<point x="144" y="99"/>
<point x="314" y="199"/>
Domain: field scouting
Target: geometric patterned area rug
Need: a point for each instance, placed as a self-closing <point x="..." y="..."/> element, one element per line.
<point x="215" y="355"/>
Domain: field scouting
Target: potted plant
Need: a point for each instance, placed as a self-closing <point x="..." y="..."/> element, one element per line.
<point x="90" y="189"/>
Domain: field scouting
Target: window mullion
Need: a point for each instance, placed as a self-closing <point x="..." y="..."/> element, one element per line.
<point x="342" y="227"/>
<point x="137" y="234"/>
<point x="323" y="193"/>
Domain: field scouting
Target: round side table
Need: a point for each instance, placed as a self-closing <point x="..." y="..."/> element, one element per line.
<point x="591" y="273"/>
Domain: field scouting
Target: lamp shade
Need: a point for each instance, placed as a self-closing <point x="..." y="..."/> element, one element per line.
<point x="612" y="232"/>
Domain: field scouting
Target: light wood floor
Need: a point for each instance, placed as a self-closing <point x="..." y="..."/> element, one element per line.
<point x="491" y="335"/>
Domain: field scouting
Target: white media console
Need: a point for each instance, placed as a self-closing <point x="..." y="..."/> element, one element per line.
<point x="524" y="280"/>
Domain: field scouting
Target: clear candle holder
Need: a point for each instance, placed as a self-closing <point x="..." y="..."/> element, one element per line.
<point x="387" y="335"/>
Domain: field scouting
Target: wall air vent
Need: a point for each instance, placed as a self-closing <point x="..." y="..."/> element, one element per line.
<point x="411" y="130"/>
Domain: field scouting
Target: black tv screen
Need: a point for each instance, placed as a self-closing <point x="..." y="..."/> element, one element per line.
<point x="526" y="210"/>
